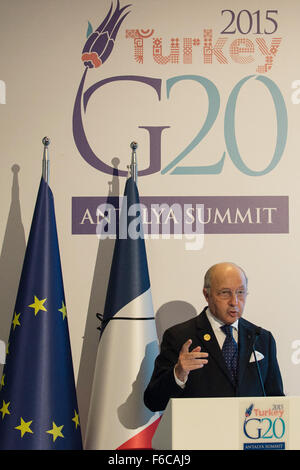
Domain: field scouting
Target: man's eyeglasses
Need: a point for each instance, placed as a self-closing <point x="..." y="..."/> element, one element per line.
<point x="227" y="293"/>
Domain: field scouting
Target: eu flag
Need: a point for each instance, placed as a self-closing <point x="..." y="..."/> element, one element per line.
<point x="38" y="404"/>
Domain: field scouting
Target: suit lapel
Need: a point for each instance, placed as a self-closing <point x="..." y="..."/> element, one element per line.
<point x="209" y="342"/>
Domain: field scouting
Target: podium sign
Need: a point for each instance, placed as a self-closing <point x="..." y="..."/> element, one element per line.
<point x="264" y="423"/>
<point x="241" y="423"/>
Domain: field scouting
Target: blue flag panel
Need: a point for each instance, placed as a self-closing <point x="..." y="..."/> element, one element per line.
<point x="129" y="259"/>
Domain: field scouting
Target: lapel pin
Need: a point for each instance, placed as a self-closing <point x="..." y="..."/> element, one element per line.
<point x="206" y="337"/>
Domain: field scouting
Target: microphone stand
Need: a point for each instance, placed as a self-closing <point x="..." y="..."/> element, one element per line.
<point x="257" y="333"/>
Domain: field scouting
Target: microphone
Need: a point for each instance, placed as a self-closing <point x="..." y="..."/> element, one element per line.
<point x="257" y="333"/>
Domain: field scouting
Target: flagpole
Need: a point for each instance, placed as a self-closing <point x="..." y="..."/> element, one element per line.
<point x="118" y="418"/>
<point x="46" y="161"/>
<point x="133" y="165"/>
<point x="37" y="389"/>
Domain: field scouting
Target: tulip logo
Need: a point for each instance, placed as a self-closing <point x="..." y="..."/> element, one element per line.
<point x="249" y="411"/>
<point x="96" y="51"/>
<point x="100" y="43"/>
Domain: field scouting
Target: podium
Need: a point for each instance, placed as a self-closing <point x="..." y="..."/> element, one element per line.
<point x="239" y="423"/>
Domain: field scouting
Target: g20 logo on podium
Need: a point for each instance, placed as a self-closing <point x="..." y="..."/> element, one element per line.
<point x="265" y="428"/>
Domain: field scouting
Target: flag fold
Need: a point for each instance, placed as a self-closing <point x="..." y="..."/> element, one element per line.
<point x="38" y="403"/>
<point x="128" y="343"/>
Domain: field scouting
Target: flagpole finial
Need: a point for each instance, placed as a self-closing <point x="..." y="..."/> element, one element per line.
<point x="133" y="165"/>
<point x="46" y="161"/>
<point x="46" y="141"/>
<point x="134" y="145"/>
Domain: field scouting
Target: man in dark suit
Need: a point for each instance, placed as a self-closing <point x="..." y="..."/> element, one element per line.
<point x="199" y="359"/>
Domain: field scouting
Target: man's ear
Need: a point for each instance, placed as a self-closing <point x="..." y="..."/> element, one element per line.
<point x="205" y="293"/>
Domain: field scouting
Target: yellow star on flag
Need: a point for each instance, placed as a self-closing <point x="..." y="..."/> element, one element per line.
<point x="38" y="305"/>
<point x="63" y="310"/>
<point x="15" y="321"/>
<point x="4" y="410"/>
<point x="56" y="431"/>
<point x="24" y="427"/>
<point x="2" y="381"/>
<point x="75" y="419"/>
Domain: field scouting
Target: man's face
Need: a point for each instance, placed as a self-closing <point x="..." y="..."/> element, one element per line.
<point x="226" y="296"/>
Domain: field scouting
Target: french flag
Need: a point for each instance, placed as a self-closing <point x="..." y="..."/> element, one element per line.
<point x="128" y="346"/>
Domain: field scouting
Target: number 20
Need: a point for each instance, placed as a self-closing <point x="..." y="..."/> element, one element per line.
<point x="229" y="128"/>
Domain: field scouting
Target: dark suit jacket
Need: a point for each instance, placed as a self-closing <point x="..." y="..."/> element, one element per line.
<point x="213" y="379"/>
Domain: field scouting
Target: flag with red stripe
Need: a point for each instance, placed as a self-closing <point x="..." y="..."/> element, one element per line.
<point x="118" y="418"/>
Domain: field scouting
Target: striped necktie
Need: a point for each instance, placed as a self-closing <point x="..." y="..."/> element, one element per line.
<point x="230" y="351"/>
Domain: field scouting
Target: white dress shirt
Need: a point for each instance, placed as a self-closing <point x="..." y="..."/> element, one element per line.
<point x="219" y="334"/>
<point x="216" y="326"/>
